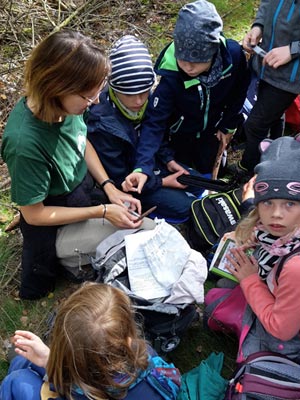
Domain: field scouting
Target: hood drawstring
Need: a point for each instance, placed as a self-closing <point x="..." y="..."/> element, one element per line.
<point x="201" y="95"/>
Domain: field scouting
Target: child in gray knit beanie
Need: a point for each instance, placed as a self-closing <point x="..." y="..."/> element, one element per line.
<point x="197" y="32"/>
<point x="278" y="173"/>
<point x="269" y="279"/>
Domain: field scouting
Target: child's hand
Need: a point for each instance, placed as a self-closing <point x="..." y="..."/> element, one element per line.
<point x="278" y="56"/>
<point x="252" y="38"/>
<point x="240" y="265"/>
<point x="171" y="181"/>
<point x="173" y="166"/>
<point x="248" y="189"/>
<point x="134" y="182"/>
<point x="31" y="347"/>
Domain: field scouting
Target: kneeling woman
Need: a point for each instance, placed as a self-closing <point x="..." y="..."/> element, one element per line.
<point x="53" y="167"/>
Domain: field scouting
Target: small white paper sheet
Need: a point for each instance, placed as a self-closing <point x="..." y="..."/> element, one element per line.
<point x="142" y="281"/>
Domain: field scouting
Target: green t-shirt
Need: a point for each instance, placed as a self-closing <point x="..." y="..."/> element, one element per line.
<point x="43" y="159"/>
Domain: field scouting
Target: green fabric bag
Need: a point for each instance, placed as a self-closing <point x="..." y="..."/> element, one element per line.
<point x="204" y="382"/>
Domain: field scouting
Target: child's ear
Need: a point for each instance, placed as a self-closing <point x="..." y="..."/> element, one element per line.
<point x="297" y="137"/>
<point x="265" y="144"/>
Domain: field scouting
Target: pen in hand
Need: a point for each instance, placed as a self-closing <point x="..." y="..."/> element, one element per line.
<point x="134" y="213"/>
<point x="137" y="215"/>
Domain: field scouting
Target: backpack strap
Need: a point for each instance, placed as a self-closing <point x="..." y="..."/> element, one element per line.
<point x="284" y="259"/>
<point x="163" y="377"/>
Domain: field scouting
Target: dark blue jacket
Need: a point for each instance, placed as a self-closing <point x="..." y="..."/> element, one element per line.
<point x="115" y="140"/>
<point x="180" y="105"/>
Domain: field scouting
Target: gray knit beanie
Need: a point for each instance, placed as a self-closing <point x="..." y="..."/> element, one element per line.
<point x="197" y="32"/>
<point x="131" y="66"/>
<point x="278" y="173"/>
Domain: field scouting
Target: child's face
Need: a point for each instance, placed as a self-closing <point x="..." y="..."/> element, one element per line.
<point x="194" y="69"/>
<point x="279" y="217"/>
<point x="134" y="102"/>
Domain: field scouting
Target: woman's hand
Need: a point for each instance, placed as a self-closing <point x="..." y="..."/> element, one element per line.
<point x="31" y="347"/>
<point x="121" y="217"/>
<point x="240" y="265"/>
<point x="98" y="172"/>
<point x="116" y="196"/>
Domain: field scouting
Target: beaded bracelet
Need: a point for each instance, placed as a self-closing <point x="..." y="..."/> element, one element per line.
<point x="104" y="212"/>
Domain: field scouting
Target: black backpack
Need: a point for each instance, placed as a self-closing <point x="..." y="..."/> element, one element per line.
<point x="163" y="323"/>
<point x="164" y="330"/>
<point x="212" y="216"/>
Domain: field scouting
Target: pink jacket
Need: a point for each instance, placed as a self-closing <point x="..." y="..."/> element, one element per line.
<point x="276" y="305"/>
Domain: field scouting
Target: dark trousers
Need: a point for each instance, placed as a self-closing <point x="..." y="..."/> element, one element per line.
<point x="198" y="152"/>
<point x="270" y="105"/>
<point x="39" y="261"/>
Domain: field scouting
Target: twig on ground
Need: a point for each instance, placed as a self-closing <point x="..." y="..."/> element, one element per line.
<point x="45" y="6"/>
<point x="5" y="183"/>
<point x="66" y="22"/>
<point x="11" y="277"/>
